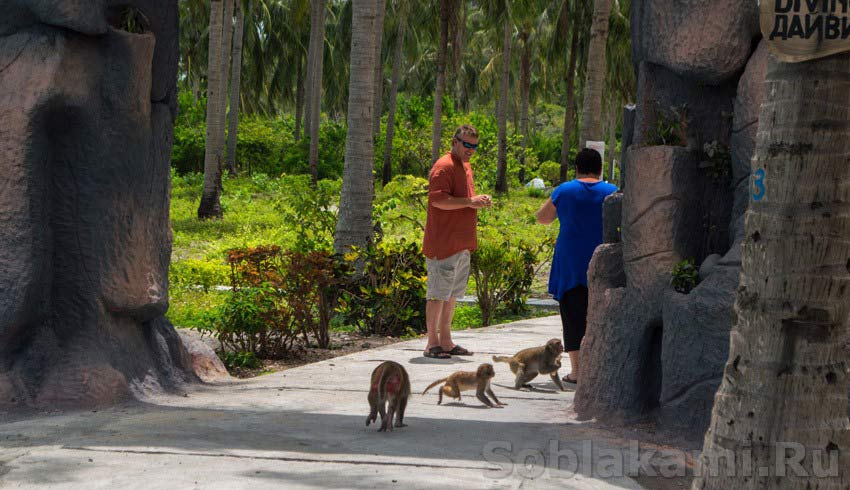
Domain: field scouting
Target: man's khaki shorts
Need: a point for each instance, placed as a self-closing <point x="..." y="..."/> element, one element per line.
<point x="447" y="277"/>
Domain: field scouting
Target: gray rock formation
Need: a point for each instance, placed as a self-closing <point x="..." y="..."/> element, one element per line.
<point x="703" y="112"/>
<point x="707" y="42"/>
<point x="612" y="209"/>
<point x="621" y="353"/>
<point x="87" y="111"/>
<point x="695" y="348"/>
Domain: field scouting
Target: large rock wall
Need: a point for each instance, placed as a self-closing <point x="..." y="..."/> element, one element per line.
<point x="86" y="114"/>
<point x="651" y="352"/>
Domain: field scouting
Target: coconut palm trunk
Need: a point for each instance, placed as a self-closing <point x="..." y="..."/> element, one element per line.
<point x="502" y="113"/>
<point x="525" y="93"/>
<point x="442" y="48"/>
<point x="784" y="389"/>
<point x="235" y="83"/>
<point x="299" y="96"/>
<point x="226" y="46"/>
<point x="354" y="226"/>
<point x="316" y="55"/>
<point x="210" y="206"/>
<point x="379" y="69"/>
<point x="569" y="108"/>
<point x="591" y="114"/>
<point x="398" y="53"/>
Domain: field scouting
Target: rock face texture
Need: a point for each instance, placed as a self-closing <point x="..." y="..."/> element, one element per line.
<point x="86" y="114"/>
<point x="651" y="353"/>
<point x="707" y="42"/>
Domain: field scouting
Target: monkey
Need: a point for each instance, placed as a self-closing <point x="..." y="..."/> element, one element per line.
<point x="528" y="363"/>
<point x="468" y="380"/>
<point x="390" y="388"/>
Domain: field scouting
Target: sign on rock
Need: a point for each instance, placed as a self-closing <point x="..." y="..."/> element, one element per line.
<point x="802" y="30"/>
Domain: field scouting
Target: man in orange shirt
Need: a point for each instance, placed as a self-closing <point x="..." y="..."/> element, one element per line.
<point x="450" y="237"/>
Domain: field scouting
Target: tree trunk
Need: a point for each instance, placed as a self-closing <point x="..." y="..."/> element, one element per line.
<point x="354" y="226"/>
<point x="398" y="53"/>
<point x="226" y="46"/>
<point x="525" y="92"/>
<point x="317" y="47"/>
<point x="502" y="114"/>
<point x="210" y="206"/>
<point x="379" y="69"/>
<point x="436" y="134"/>
<point x="784" y="389"/>
<point x="299" y="96"/>
<point x="612" y="136"/>
<point x="235" y="85"/>
<point x="591" y="114"/>
<point x="569" y="108"/>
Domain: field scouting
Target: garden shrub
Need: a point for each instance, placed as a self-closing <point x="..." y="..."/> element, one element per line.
<point x="388" y="298"/>
<point x="311" y="210"/>
<point x="503" y="274"/>
<point x="550" y="172"/>
<point x="311" y="283"/>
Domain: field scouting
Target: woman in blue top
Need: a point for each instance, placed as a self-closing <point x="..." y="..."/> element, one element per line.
<point x="578" y="206"/>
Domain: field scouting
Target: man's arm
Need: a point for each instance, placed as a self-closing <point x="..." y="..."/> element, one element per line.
<point x="451" y="202"/>
<point x="547" y="213"/>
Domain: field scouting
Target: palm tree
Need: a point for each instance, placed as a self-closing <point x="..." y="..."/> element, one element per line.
<point x="379" y="69"/>
<point x="784" y="389"/>
<point x="499" y="15"/>
<point x="226" y="46"/>
<point x="446" y="8"/>
<point x="210" y="206"/>
<point x="502" y="112"/>
<point x="591" y="115"/>
<point x="235" y="82"/>
<point x="354" y="226"/>
<point x="398" y="53"/>
<point x="315" y="69"/>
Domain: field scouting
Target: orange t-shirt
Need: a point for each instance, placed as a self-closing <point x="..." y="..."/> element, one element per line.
<point x="450" y="232"/>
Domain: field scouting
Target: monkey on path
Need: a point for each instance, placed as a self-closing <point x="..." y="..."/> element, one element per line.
<point x="390" y="388"/>
<point x="528" y="363"/>
<point x="469" y="380"/>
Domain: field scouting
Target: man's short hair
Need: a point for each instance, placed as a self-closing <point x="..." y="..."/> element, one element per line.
<point x="589" y="161"/>
<point x="466" y="130"/>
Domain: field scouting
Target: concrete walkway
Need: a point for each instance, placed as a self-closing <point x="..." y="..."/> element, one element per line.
<point x="304" y="429"/>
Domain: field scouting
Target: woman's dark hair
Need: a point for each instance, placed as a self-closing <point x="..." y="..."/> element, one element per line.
<point x="588" y="161"/>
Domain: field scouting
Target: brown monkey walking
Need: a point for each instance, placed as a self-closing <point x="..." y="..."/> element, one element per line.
<point x="468" y="380"/>
<point x="528" y="363"/>
<point x="390" y="387"/>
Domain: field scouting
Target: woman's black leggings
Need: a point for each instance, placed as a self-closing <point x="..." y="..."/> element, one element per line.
<point x="573" y="306"/>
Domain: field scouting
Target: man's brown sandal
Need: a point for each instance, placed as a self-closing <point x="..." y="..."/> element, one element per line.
<point x="437" y="352"/>
<point x="459" y="351"/>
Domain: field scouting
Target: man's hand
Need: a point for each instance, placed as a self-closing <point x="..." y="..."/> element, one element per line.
<point x="480" y="201"/>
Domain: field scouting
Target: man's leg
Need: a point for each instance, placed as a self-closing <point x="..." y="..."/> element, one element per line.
<point x="445" y="324"/>
<point x="433" y="311"/>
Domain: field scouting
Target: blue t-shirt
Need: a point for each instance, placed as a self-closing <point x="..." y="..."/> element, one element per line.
<point x="579" y="206"/>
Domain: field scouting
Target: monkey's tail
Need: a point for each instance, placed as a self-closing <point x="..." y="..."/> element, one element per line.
<point x="502" y="359"/>
<point x="435" y="383"/>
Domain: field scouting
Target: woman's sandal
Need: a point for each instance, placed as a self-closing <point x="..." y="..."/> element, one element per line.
<point x="568" y="380"/>
<point x="437" y="352"/>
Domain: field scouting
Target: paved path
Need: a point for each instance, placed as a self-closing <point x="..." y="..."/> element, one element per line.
<point x="304" y="429"/>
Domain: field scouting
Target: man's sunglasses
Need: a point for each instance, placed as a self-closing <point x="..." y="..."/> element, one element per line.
<point x="471" y="146"/>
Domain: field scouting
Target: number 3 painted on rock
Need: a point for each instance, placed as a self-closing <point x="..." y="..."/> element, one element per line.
<point x="758" y="185"/>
